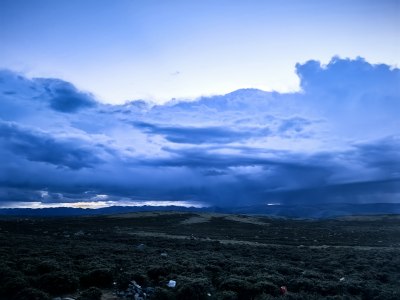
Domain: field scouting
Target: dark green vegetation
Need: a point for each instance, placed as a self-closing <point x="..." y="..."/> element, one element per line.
<point x="209" y="256"/>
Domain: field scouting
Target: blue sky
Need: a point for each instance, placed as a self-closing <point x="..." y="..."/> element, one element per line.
<point x="275" y="102"/>
<point x="158" y="50"/>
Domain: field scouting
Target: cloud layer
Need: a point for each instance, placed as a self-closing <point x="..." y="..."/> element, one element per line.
<point x="336" y="140"/>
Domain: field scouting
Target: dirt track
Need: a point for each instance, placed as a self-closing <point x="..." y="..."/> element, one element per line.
<point x="255" y="244"/>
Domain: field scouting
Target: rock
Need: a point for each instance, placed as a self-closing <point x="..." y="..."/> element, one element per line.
<point x="171" y="283"/>
<point x="135" y="291"/>
<point x="133" y="282"/>
<point x="164" y="254"/>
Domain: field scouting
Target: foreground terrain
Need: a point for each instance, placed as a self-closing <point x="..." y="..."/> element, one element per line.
<point x="209" y="256"/>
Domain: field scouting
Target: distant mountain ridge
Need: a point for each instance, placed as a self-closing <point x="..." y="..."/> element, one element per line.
<point x="314" y="211"/>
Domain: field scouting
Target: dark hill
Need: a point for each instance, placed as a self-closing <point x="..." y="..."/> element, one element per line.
<point x="315" y="211"/>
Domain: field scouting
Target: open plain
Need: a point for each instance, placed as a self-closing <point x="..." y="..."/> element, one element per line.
<point x="208" y="256"/>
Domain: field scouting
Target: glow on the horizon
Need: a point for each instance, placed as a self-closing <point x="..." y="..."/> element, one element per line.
<point x="100" y="204"/>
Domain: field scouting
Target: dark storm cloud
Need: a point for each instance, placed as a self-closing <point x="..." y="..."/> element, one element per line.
<point x="64" y="97"/>
<point x="383" y="155"/>
<point x="289" y="178"/>
<point x="352" y="192"/>
<point x="59" y="95"/>
<point x="335" y="141"/>
<point x="18" y="194"/>
<point x="205" y="157"/>
<point x="201" y="135"/>
<point x="41" y="147"/>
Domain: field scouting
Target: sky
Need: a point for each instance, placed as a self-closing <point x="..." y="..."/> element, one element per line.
<point x="163" y="49"/>
<point x="227" y="103"/>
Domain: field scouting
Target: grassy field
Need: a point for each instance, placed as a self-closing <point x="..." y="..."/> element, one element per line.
<point x="210" y="256"/>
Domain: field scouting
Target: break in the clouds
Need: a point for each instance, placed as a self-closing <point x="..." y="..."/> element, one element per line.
<point x="336" y="140"/>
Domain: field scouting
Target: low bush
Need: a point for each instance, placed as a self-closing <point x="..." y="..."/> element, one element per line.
<point x="92" y="293"/>
<point x="10" y="287"/>
<point x="227" y="295"/>
<point x="163" y="294"/>
<point x="266" y="287"/>
<point x="155" y="272"/>
<point x="243" y="288"/>
<point x="101" y="278"/>
<point x="57" y="283"/>
<point x="32" y="294"/>
<point x="47" y="266"/>
<point x="140" y="279"/>
<point x="195" y="290"/>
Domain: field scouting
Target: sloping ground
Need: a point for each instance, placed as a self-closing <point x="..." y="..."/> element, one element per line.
<point x="210" y="256"/>
<point x="381" y="232"/>
<point x="374" y="218"/>
<point x="206" y="217"/>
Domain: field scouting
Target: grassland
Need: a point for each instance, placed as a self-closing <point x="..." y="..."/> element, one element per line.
<point x="210" y="256"/>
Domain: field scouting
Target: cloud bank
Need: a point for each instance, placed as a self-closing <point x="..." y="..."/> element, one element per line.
<point x="336" y="140"/>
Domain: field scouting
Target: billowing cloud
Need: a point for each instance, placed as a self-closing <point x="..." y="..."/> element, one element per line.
<point x="336" y="140"/>
<point x="41" y="147"/>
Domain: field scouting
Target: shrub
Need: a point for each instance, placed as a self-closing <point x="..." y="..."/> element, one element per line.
<point x="140" y="278"/>
<point x="11" y="286"/>
<point x="92" y="293"/>
<point x="196" y="290"/>
<point x="213" y="269"/>
<point x="354" y="287"/>
<point x="243" y="288"/>
<point x="47" y="267"/>
<point x="57" y="283"/>
<point x="156" y="272"/>
<point x="227" y="295"/>
<point x="122" y="281"/>
<point x="101" y="278"/>
<point x="327" y="288"/>
<point x="163" y="294"/>
<point x="266" y="287"/>
<point x="32" y="294"/>
<point x="264" y="297"/>
<point x="383" y="277"/>
<point x="387" y="295"/>
<point x="302" y="284"/>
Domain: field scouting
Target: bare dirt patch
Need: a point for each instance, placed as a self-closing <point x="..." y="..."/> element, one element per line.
<point x="197" y="219"/>
<point x="202" y="218"/>
<point x="246" y="219"/>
